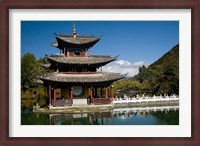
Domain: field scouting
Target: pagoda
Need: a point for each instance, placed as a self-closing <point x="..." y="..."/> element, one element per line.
<point x="75" y="80"/>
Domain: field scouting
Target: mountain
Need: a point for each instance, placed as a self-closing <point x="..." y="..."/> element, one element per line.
<point x="163" y="75"/>
<point x="159" y="78"/>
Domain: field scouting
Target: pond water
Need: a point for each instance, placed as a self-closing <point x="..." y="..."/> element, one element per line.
<point x="168" y="115"/>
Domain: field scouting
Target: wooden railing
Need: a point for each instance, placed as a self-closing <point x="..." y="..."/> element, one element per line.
<point x="98" y="101"/>
<point x="61" y="102"/>
<point x="68" y="102"/>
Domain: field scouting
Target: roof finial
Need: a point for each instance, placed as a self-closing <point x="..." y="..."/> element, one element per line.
<point x="74" y="30"/>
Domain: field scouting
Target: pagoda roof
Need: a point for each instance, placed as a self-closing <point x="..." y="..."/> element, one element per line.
<point x="82" y="77"/>
<point x="75" y="41"/>
<point x="89" y="60"/>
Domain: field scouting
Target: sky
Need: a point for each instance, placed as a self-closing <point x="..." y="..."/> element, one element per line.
<point x="136" y="42"/>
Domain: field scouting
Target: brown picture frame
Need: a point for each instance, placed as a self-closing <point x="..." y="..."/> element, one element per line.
<point x="6" y="5"/>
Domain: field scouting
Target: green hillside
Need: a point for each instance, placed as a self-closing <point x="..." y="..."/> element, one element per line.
<point x="160" y="77"/>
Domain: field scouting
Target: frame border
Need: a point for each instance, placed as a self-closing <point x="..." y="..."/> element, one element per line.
<point x="99" y="4"/>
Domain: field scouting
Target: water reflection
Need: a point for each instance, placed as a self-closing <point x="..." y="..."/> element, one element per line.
<point x="144" y="111"/>
<point x="164" y="115"/>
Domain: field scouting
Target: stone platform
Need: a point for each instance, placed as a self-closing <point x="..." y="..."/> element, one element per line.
<point x="107" y="107"/>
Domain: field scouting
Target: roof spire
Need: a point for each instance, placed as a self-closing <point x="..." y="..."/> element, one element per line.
<point x="74" y="30"/>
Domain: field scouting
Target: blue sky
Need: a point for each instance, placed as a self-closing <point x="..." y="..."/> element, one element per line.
<point x="136" y="42"/>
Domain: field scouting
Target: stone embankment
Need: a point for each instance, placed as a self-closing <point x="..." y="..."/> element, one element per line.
<point x="147" y="102"/>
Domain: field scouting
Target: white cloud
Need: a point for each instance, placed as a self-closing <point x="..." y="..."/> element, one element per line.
<point x="123" y="67"/>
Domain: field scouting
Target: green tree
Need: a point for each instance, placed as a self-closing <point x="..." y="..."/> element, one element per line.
<point x="30" y="89"/>
<point x="30" y="69"/>
<point x="142" y="74"/>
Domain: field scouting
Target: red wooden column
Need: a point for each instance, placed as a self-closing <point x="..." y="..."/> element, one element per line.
<point x="91" y="95"/>
<point x="71" y="95"/>
<point x="54" y="94"/>
<point x="106" y="92"/>
<point x="49" y="95"/>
